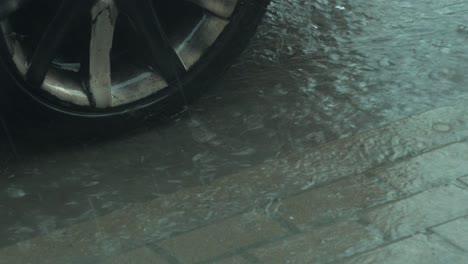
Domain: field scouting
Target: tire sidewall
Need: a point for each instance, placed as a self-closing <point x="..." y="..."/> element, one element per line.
<point x="16" y="98"/>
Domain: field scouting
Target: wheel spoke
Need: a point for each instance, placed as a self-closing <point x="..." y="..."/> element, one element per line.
<point x="115" y="62"/>
<point x="163" y="56"/>
<point x="104" y="15"/>
<point x="201" y="39"/>
<point x="45" y="52"/>
<point x="221" y="8"/>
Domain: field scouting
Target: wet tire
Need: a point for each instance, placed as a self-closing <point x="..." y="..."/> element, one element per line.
<point x="16" y="96"/>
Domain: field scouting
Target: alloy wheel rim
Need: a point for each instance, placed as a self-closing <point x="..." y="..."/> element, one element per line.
<point x="109" y="72"/>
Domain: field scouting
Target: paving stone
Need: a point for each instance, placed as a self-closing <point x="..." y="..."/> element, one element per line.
<point x="160" y="218"/>
<point x="58" y="248"/>
<point x="419" y="249"/>
<point x="337" y="200"/>
<point x="455" y="231"/>
<point x="140" y="256"/>
<point x="415" y="213"/>
<point x="428" y="170"/>
<point x="319" y="246"/>
<point x="217" y="239"/>
<point x="405" y="138"/>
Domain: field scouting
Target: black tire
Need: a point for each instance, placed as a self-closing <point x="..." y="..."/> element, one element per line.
<point x="15" y="97"/>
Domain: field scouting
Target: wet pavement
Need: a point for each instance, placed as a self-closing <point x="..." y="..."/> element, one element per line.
<point x="340" y="135"/>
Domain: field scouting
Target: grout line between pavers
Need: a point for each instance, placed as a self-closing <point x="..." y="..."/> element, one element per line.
<point x="379" y="246"/>
<point x="153" y="245"/>
<point x="385" y="126"/>
<point x="373" y="230"/>
<point x="464" y="183"/>
<point x="369" y="173"/>
<point x="392" y="201"/>
<point x="383" y="164"/>
<point x="460" y="184"/>
<point x="384" y="185"/>
<point x="294" y="229"/>
<point x="244" y="249"/>
<point x="218" y="221"/>
<point x="412" y="155"/>
<point x="431" y="228"/>
<point x="372" y="172"/>
<point x="386" y="237"/>
<point x="363" y="221"/>
<point x="387" y="241"/>
<point x="406" y="197"/>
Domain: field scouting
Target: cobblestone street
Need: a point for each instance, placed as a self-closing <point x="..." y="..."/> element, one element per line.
<point x="405" y="206"/>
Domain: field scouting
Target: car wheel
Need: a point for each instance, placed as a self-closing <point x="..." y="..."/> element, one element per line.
<point x="109" y="58"/>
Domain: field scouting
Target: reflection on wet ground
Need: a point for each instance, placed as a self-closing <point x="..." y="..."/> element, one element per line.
<point x="316" y="72"/>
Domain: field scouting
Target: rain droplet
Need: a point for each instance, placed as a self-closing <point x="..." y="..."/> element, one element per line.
<point x="16" y="193"/>
<point x="441" y="127"/>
